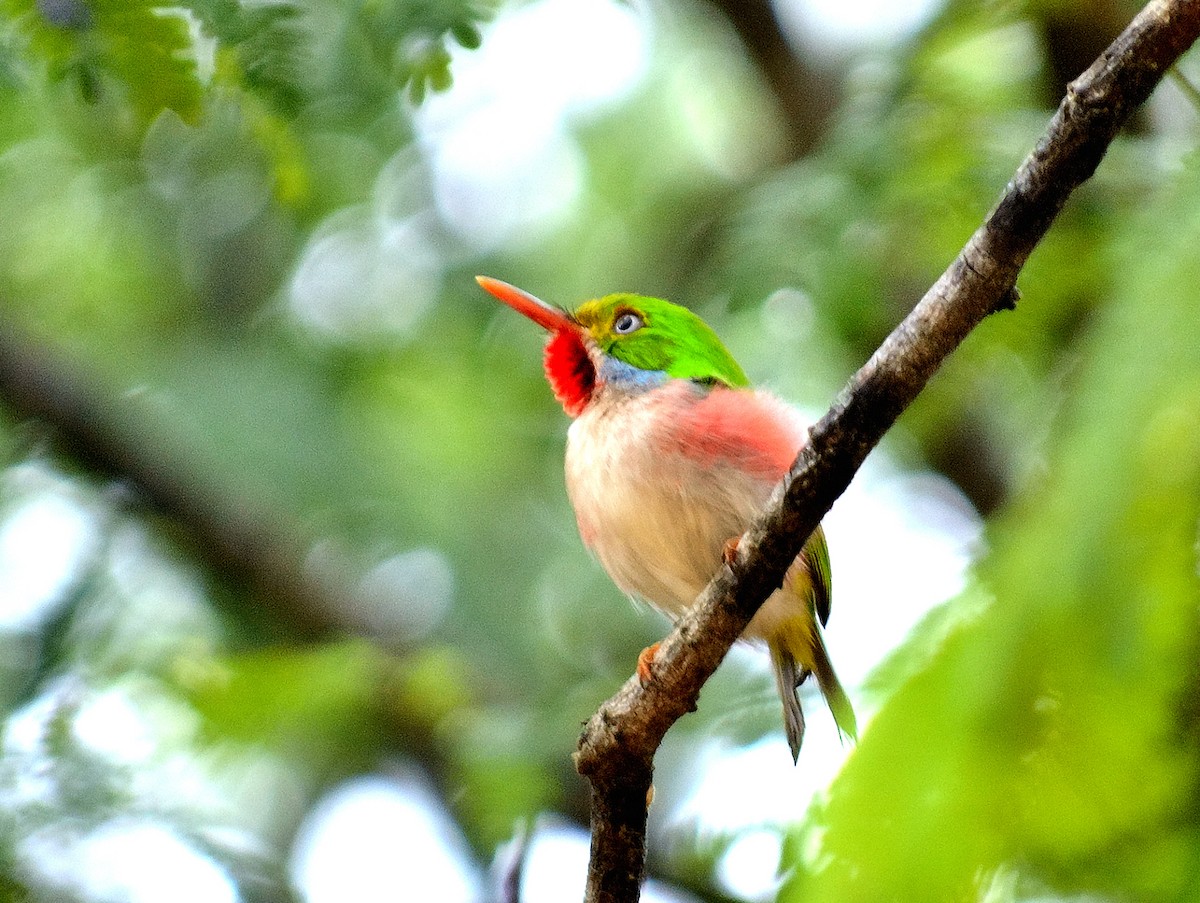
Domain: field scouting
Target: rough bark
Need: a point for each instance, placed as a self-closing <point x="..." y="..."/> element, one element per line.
<point x="617" y="747"/>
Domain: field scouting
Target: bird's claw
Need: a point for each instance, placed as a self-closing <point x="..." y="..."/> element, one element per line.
<point x="645" y="662"/>
<point x="729" y="553"/>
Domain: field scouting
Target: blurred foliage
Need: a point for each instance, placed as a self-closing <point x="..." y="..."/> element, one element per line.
<point x="1054" y="732"/>
<point x="135" y="51"/>
<point x="242" y="223"/>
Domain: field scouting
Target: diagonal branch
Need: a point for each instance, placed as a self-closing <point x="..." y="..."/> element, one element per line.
<point x="228" y="531"/>
<point x="804" y="95"/>
<point x="616" y="750"/>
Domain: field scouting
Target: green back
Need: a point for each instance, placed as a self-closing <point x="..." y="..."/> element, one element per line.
<point x="671" y="339"/>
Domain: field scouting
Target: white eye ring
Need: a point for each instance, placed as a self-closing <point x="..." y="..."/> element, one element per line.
<point x="627" y="322"/>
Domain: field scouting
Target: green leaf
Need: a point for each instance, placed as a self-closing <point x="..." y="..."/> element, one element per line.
<point x="261" y="48"/>
<point x="467" y="34"/>
<point x="111" y="48"/>
<point x="412" y="38"/>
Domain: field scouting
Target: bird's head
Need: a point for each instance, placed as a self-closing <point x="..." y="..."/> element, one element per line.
<point x="622" y="340"/>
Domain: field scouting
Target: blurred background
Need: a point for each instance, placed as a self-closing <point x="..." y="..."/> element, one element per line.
<point x="292" y="605"/>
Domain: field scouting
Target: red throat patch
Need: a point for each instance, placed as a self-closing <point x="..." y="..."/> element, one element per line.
<point x="569" y="371"/>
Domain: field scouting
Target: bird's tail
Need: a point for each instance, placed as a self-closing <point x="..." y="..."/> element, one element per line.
<point x="789" y="674"/>
<point x="831" y="689"/>
<point x="787" y="678"/>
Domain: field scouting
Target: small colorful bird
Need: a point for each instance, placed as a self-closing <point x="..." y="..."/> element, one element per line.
<point x="670" y="457"/>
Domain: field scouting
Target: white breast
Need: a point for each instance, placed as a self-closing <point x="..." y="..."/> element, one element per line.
<point x="657" y="521"/>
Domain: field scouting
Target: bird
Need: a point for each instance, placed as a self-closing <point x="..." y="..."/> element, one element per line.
<point x="670" y="455"/>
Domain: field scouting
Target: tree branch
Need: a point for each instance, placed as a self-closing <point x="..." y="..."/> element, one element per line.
<point x="616" y="750"/>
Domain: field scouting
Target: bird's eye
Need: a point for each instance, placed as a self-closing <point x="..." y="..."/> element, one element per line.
<point x="626" y="323"/>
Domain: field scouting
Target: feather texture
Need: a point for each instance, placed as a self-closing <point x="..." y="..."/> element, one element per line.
<point x="670" y="456"/>
<point x="661" y="480"/>
<point x="569" y="370"/>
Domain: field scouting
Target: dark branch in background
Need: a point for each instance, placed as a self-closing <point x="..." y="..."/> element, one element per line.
<point x="252" y="550"/>
<point x="109" y="437"/>
<point x="1072" y="35"/>
<point x="805" y="97"/>
<point x="616" y="750"/>
<point x="112" y="437"/>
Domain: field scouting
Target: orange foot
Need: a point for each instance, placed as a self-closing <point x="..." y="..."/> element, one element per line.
<point x="729" y="553"/>
<point x="645" y="661"/>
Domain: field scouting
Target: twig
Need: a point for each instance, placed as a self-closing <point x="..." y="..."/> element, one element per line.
<point x="616" y="750"/>
<point x="509" y="866"/>
<point x="1184" y="84"/>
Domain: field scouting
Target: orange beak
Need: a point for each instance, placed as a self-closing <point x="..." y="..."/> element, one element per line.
<point x="545" y="315"/>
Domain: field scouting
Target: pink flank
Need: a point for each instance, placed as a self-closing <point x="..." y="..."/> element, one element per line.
<point x="751" y="430"/>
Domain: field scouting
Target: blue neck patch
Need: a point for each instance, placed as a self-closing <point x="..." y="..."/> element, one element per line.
<point x="620" y="375"/>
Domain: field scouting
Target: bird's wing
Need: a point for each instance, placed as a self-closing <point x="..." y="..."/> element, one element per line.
<point x="758" y="434"/>
<point x="816" y="558"/>
<point x="747" y="429"/>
